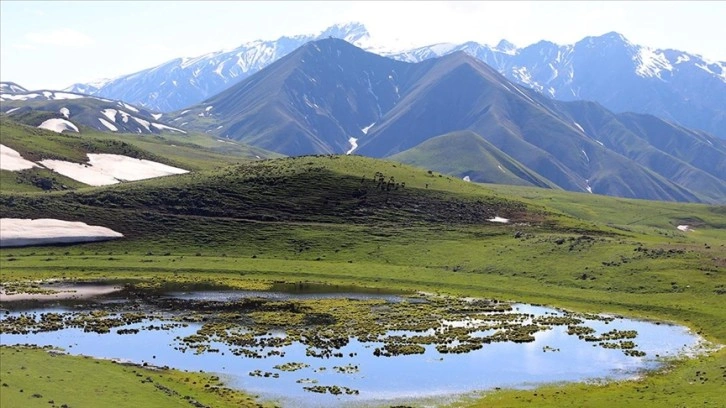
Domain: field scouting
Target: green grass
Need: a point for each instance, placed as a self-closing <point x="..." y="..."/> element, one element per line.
<point x="325" y="219"/>
<point x="35" y="378"/>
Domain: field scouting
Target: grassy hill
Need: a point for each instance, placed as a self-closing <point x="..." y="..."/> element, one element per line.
<point x="192" y="152"/>
<point x="367" y="222"/>
<point x="465" y="153"/>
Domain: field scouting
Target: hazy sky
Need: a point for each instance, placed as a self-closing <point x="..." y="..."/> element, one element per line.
<point x="52" y="45"/>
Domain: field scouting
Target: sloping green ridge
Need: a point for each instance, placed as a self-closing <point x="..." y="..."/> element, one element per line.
<point x="465" y="153"/>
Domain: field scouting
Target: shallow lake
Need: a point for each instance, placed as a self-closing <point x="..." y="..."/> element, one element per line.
<point x="552" y="356"/>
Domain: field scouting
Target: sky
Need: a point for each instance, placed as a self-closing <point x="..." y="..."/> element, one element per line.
<point x="52" y="45"/>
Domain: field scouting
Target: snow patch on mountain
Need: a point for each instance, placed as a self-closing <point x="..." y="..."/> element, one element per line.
<point x="11" y="87"/>
<point x="365" y="129"/>
<point x="110" y="114"/>
<point x="58" y="125"/>
<point x="651" y="63"/>
<point x="15" y="232"/>
<point x="165" y="127"/>
<point x="11" y="160"/>
<point x="21" y="97"/>
<point x="143" y="123"/>
<point x="106" y="169"/>
<point x="186" y="81"/>
<point x="353" y="145"/>
<point x="65" y="112"/>
<point x="129" y="107"/>
<point x="108" y="125"/>
<point x="682" y="58"/>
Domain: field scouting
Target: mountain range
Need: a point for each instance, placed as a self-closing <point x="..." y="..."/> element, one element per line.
<point x="453" y="113"/>
<point x="329" y="96"/>
<point x="183" y="82"/>
<point x="624" y="77"/>
<point x="66" y="111"/>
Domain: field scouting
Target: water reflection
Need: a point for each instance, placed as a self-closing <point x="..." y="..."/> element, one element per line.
<point x="554" y="356"/>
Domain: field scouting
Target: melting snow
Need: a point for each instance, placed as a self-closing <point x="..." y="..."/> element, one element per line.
<point x="156" y="116"/>
<point x="353" y="145"/>
<point x="365" y="129"/>
<point x="124" y="116"/>
<point x="11" y="110"/>
<point x="110" y="114"/>
<point x="105" y="169"/>
<point x="63" y="95"/>
<point x="587" y="185"/>
<point x="499" y="219"/>
<point x="208" y="108"/>
<point x="467" y="179"/>
<point x="682" y="58"/>
<point x="22" y="232"/>
<point x="142" y="123"/>
<point x="684" y="228"/>
<point x="651" y="63"/>
<point x="129" y="107"/>
<point x="58" y="125"/>
<point x="579" y="127"/>
<point x="25" y="97"/>
<point x="219" y="69"/>
<point x="500" y="168"/>
<point x="65" y="112"/>
<point x="162" y="127"/>
<point x="108" y="125"/>
<point x="12" y="88"/>
<point x="586" y="156"/>
<point x="11" y="160"/>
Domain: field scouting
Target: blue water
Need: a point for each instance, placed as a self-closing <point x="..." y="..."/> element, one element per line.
<point x="386" y="380"/>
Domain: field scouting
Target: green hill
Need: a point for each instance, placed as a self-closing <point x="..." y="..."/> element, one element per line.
<point x="352" y="220"/>
<point x="465" y="153"/>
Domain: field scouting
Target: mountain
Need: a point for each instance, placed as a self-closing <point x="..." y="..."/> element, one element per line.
<point x="183" y="82"/>
<point x="622" y="76"/>
<point x="470" y="156"/>
<point x="10" y="88"/>
<point x="313" y="100"/>
<point x="332" y="97"/>
<point x="65" y="111"/>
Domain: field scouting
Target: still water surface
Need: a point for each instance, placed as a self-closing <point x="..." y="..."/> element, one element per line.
<point x="554" y="356"/>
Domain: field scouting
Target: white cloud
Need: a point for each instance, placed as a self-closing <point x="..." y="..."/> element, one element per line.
<point x="62" y="37"/>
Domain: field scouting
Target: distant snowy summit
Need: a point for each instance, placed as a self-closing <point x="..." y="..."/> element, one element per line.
<point x="624" y="77"/>
<point x="183" y="82"/>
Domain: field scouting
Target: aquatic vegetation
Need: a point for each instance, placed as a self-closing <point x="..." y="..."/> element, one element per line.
<point x="291" y="366"/>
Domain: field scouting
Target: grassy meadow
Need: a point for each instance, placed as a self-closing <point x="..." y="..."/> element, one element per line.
<point x="351" y="220"/>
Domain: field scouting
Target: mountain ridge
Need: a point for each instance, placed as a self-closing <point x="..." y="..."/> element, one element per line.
<point x="676" y="85"/>
<point x="332" y="97"/>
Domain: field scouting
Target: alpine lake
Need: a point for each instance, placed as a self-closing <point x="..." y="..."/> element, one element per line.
<point x="310" y="345"/>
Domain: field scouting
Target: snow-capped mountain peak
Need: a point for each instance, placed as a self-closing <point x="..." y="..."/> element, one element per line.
<point x="610" y="69"/>
<point x="182" y="82"/>
<point x="352" y="32"/>
<point x="506" y="47"/>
